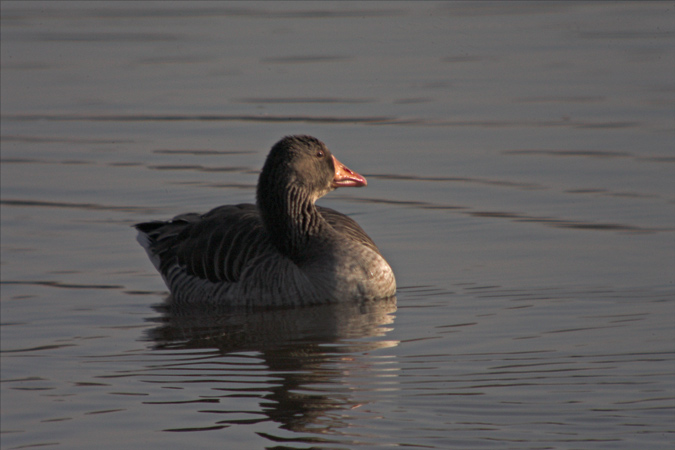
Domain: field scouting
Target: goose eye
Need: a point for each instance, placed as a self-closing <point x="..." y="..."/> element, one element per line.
<point x="319" y="154"/>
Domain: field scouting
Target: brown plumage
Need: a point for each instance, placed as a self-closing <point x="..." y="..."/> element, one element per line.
<point x="283" y="251"/>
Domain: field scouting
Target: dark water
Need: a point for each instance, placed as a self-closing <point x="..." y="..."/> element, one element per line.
<point x="520" y="164"/>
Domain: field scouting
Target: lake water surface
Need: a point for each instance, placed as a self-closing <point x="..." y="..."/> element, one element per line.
<point x="521" y="183"/>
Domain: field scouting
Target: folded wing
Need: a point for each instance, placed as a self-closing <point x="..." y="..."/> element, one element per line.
<point x="216" y="246"/>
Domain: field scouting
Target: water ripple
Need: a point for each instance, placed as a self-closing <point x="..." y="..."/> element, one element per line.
<point x="518" y="217"/>
<point x="367" y="120"/>
<point x="58" y="284"/>
<point x="595" y="154"/>
<point x="73" y="205"/>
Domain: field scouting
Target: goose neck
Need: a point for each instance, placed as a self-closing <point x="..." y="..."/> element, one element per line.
<point x="292" y="220"/>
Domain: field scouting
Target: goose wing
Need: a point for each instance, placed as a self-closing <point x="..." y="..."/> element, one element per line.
<point x="348" y="227"/>
<point x="216" y="246"/>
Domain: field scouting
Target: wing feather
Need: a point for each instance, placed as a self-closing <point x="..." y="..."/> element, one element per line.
<point x="215" y="246"/>
<point x="348" y="227"/>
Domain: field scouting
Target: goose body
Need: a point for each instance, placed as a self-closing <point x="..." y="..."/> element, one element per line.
<point x="282" y="251"/>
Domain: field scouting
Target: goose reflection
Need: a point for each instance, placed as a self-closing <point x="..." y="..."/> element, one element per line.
<point x="309" y="355"/>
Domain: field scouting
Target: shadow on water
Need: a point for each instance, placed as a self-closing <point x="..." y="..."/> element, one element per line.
<point x="278" y="359"/>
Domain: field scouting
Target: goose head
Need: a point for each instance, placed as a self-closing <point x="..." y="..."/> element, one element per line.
<point x="303" y="166"/>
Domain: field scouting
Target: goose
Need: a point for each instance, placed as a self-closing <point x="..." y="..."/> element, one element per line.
<point x="283" y="251"/>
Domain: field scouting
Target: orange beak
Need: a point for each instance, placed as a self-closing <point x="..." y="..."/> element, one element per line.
<point x="344" y="177"/>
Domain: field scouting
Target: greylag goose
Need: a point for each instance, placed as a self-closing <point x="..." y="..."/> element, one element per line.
<point x="282" y="251"/>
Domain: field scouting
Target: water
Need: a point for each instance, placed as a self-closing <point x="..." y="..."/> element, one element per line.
<point x="520" y="166"/>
